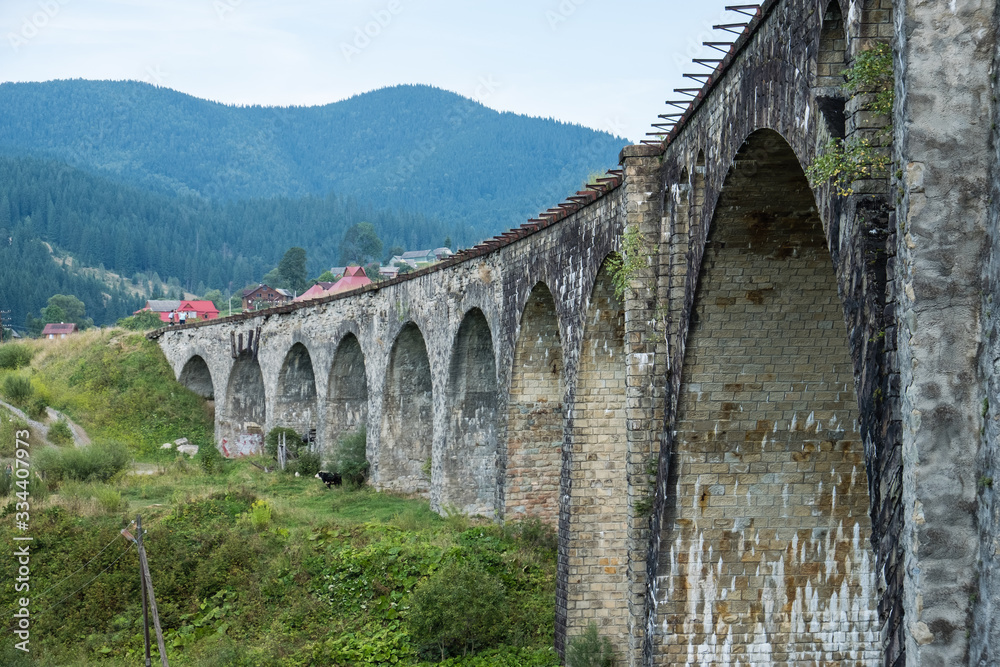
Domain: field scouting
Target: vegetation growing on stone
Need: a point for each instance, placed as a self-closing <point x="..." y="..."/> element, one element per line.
<point x="841" y="162"/>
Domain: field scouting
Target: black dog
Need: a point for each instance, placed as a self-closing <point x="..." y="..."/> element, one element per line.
<point x="329" y="478"/>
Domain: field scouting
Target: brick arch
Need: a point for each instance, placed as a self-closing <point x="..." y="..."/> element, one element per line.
<point x="469" y="456"/>
<point x="347" y="402"/>
<point x="535" y="418"/>
<point x="196" y="376"/>
<point x="592" y="525"/>
<point x="407" y="430"/>
<point x="295" y="403"/>
<point x="242" y="425"/>
<point x="765" y="553"/>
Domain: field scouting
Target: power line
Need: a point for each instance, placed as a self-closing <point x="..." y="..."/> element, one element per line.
<point x="67" y="577"/>
<point x="55" y="604"/>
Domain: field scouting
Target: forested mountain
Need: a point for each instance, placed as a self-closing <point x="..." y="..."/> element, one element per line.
<point x="413" y="148"/>
<point x="204" y="244"/>
<point x="141" y="181"/>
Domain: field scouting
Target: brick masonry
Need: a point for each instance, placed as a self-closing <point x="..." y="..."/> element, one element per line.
<point x="778" y="446"/>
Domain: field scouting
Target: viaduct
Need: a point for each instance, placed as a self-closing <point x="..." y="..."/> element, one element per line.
<point x="777" y="445"/>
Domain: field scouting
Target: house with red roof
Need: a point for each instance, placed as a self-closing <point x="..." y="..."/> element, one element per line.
<point x="317" y="290"/>
<point x="354" y="277"/>
<point x="61" y="330"/>
<point x="192" y="310"/>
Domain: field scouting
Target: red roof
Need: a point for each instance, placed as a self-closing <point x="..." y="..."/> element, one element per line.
<point x="203" y="308"/>
<point x="354" y="277"/>
<point x="58" y="329"/>
<point x="317" y="290"/>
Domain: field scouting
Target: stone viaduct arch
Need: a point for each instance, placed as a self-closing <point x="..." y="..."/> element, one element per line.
<point x="785" y="362"/>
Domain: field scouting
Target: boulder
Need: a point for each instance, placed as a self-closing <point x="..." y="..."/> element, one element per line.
<point x="190" y="450"/>
<point x="167" y="445"/>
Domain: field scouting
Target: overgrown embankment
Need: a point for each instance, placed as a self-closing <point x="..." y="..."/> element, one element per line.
<point x="116" y="384"/>
<point x="249" y="568"/>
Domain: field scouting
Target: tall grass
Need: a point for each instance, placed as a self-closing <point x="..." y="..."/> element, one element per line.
<point x="99" y="461"/>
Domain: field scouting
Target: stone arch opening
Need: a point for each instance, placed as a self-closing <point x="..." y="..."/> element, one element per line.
<point x="469" y="459"/>
<point x="765" y="550"/>
<point x="407" y="416"/>
<point x="295" y="399"/>
<point x="196" y="377"/>
<point x="831" y="61"/>
<point x="347" y="406"/>
<point x="597" y="555"/>
<point x="535" y="415"/>
<point x="246" y="409"/>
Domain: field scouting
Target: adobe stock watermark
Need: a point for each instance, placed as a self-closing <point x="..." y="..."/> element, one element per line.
<point x="364" y="35"/>
<point x="562" y="13"/>
<point x="34" y="23"/>
<point x="224" y="8"/>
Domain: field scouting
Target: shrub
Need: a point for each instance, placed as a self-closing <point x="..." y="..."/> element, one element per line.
<point x="37" y="408"/>
<point x="17" y="388"/>
<point x="259" y="515"/>
<point x="97" y="462"/>
<point x="308" y="464"/>
<point x="141" y="321"/>
<point x="6" y="484"/>
<point x="349" y="457"/>
<point x="460" y="609"/>
<point x="590" y="650"/>
<point x="209" y="459"/>
<point x="60" y="433"/>
<point x="14" y="356"/>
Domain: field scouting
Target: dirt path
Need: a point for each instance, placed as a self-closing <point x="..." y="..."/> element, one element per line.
<point x="80" y="437"/>
<point x="32" y="424"/>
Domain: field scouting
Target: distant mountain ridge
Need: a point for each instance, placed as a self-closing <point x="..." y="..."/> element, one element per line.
<point x="411" y="147"/>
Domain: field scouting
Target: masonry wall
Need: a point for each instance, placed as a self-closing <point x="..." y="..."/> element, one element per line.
<point x="768" y="560"/>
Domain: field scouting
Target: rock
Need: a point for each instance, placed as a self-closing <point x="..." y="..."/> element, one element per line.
<point x="167" y="445"/>
<point x="190" y="450"/>
<point x="180" y="442"/>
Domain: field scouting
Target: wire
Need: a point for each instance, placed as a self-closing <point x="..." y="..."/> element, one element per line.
<point x="60" y="583"/>
<point x="54" y="604"/>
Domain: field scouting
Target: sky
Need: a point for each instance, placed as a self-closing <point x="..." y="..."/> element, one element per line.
<point x="605" y="65"/>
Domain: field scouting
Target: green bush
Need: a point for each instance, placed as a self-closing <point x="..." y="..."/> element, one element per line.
<point x="590" y="650"/>
<point x="308" y="464"/>
<point x="6" y="484"/>
<point x="349" y="457"/>
<point x="209" y="459"/>
<point x="141" y="321"/>
<point x="459" y="610"/>
<point x="14" y="356"/>
<point x="37" y="408"/>
<point x="97" y="462"/>
<point x="17" y="388"/>
<point x="60" y="433"/>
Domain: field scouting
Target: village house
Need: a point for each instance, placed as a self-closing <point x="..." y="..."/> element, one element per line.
<point x="61" y="330"/>
<point x="191" y="309"/>
<point x="265" y="297"/>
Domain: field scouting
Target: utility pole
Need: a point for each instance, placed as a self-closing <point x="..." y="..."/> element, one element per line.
<point x="146" y="584"/>
<point x="142" y="588"/>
